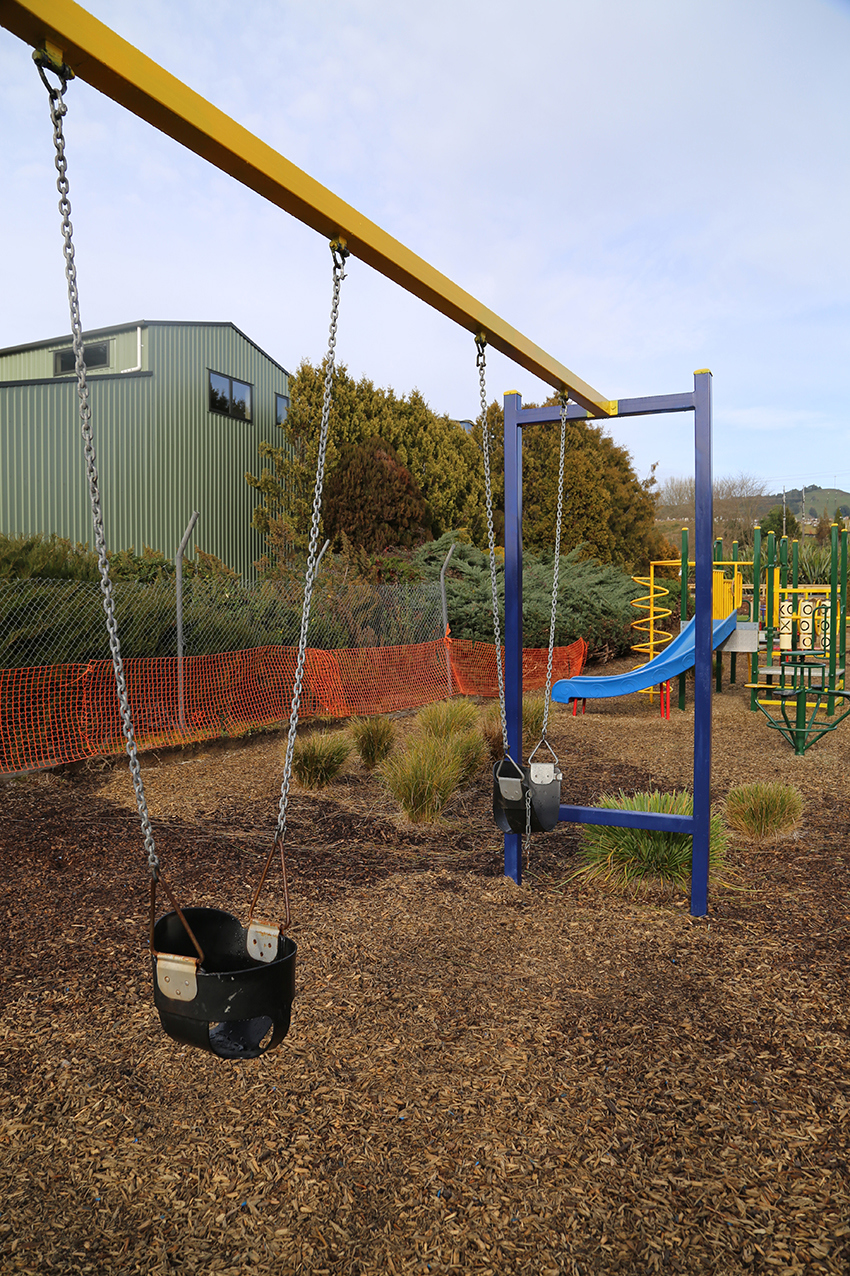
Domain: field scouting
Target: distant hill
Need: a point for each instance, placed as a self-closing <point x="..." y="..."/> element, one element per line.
<point x="818" y="499"/>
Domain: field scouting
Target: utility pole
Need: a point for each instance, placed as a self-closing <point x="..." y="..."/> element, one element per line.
<point x="803" y="512"/>
<point x="783" y="511"/>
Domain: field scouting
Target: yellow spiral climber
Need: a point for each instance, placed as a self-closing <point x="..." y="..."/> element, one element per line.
<point x="653" y="638"/>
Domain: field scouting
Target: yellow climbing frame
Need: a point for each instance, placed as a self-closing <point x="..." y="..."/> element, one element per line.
<point x="100" y="57"/>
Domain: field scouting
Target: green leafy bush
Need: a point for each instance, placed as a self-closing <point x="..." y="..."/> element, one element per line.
<point x="814" y="562"/>
<point x="764" y="811"/>
<point x="633" y="860"/>
<point x="373" y="739"/>
<point x="319" y="758"/>
<point x="422" y="777"/>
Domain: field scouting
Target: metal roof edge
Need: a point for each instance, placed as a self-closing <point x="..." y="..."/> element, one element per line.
<point x="90" y="333"/>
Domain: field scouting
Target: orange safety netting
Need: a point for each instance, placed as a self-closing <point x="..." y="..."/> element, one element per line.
<point x="63" y="713"/>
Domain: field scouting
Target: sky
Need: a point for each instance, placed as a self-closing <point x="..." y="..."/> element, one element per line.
<point x="642" y="189"/>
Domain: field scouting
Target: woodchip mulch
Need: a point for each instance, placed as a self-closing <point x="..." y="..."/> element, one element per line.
<point x="479" y="1077"/>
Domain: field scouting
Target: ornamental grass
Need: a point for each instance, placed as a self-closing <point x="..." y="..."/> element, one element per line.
<point x="447" y="717"/>
<point x="764" y="811"/>
<point x="532" y="718"/>
<point x="471" y="751"/>
<point x="532" y="725"/>
<point x="319" y="758"/>
<point x="423" y="777"/>
<point x="373" y="739"/>
<point x="491" y="729"/>
<point x="637" y="860"/>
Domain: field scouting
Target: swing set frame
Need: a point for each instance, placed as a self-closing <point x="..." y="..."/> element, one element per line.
<point x="69" y="34"/>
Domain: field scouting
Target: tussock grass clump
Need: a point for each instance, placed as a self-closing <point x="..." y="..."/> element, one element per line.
<point x="373" y="739"/>
<point x="764" y="811"/>
<point x="532" y="725"/>
<point x="447" y="717"/>
<point x="319" y="758"/>
<point x="491" y="729"/>
<point x="635" y="860"/>
<point x="471" y="751"/>
<point x="423" y="777"/>
<point x="532" y="717"/>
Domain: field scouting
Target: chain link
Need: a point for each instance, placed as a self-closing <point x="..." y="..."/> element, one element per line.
<point x="58" y="110"/>
<point x="556" y="568"/>
<point x="339" y="253"/>
<point x="481" y="364"/>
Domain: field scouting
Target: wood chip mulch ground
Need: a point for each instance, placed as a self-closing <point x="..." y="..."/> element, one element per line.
<point x="479" y="1077"/>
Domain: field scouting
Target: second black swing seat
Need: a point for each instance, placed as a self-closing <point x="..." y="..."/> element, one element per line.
<point x="514" y="784"/>
<point x="239" y="994"/>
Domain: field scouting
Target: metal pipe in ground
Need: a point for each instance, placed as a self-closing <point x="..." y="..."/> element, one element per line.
<point x="178" y="563"/>
<point x="446" y="612"/>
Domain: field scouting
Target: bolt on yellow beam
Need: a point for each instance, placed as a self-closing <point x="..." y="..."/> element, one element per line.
<point x="100" y="57"/>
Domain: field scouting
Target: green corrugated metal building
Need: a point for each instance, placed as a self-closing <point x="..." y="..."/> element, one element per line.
<point x="178" y="411"/>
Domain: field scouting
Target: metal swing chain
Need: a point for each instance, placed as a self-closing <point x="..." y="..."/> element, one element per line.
<point x="339" y="253"/>
<point x="556" y="568"/>
<point x="57" y="110"/>
<point x="481" y="364"/>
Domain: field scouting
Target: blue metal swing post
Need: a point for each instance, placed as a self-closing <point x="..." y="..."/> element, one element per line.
<point x="698" y="825"/>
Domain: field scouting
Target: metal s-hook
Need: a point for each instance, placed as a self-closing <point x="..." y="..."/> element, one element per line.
<point x="339" y="252"/>
<point x="49" y="58"/>
<point x="480" y="346"/>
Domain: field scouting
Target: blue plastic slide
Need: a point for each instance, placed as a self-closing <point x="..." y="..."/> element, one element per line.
<point x="676" y="657"/>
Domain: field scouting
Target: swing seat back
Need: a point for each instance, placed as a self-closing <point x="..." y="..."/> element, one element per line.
<point x="512" y="785"/>
<point x="235" y="1005"/>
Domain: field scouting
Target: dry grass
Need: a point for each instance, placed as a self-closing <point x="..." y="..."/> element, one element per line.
<point x="373" y="739"/>
<point x="763" y="811"/>
<point x="319" y="757"/>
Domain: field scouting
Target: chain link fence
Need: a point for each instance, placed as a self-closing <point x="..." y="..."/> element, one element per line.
<point x="62" y="622"/>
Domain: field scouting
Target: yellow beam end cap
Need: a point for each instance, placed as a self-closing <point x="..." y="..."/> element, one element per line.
<point x="698" y="372"/>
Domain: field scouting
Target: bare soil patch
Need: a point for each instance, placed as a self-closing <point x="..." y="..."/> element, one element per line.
<point x="479" y="1077"/>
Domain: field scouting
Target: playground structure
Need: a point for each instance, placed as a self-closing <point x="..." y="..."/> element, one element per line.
<point x="801" y="627"/>
<point x="805" y="641"/>
<point x="71" y="40"/>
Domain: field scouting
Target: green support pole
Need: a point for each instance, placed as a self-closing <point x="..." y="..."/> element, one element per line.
<point x="683" y="606"/>
<point x="842" y="585"/>
<point x="756" y="616"/>
<point x="800" y="722"/>
<point x="834" y="617"/>
<point x="783" y="584"/>
<point x="733" y="661"/>
<point x="795" y="581"/>
<point x="768" y="615"/>
<point x="718" y="676"/>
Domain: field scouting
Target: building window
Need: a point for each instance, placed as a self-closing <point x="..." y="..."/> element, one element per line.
<point x="281" y="408"/>
<point x="95" y="354"/>
<point x="230" y="397"/>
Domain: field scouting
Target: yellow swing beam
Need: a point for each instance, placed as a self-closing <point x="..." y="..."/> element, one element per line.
<point x="100" y="57"/>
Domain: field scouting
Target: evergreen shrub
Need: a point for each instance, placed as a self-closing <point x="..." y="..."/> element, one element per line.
<point x="594" y="601"/>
